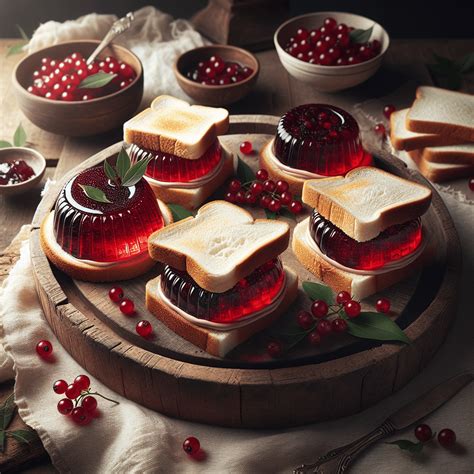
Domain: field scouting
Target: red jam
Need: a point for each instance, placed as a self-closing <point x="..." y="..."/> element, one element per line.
<point x="319" y="138"/>
<point x="59" y="79"/>
<point x="394" y="243"/>
<point x="105" y="232"/>
<point x="249" y="295"/>
<point x="217" y="72"/>
<point x="172" y="168"/>
<point x="15" y="171"/>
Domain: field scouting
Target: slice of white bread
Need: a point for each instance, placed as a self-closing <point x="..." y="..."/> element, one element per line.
<point x="173" y="126"/>
<point x="220" y="246"/>
<point x="217" y="343"/>
<point x="366" y="201"/>
<point x="450" y="154"/>
<point x="359" y="286"/>
<point x="404" y="139"/>
<point x="440" y="172"/>
<point x="442" y="112"/>
<point x="192" y="198"/>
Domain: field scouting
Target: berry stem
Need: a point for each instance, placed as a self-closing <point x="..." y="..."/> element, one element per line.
<point x="104" y="397"/>
<point x="85" y="393"/>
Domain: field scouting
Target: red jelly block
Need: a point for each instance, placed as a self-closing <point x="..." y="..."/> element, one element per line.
<point x="14" y="172"/>
<point x="105" y="232"/>
<point x="392" y="244"/>
<point x="172" y="168"/>
<point x="319" y="138"/>
<point x="251" y="294"/>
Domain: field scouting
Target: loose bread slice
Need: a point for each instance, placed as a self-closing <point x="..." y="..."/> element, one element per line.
<point x="404" y="139"/>
<point x="217" y="343"/>
<point x="173" y="126"/>
<point x="440" y="172"/>
<point x="366" y="201"/>
<point x="442" y="112"/>
<point x="450" y="154"/>
<point x="220" y="246"/>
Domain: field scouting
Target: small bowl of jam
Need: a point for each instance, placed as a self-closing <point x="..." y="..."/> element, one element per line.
<point x="21" y="169"/>
<point x="216" y="75"/>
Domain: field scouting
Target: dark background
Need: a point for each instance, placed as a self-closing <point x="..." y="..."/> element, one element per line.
<point x="415" y="19"/>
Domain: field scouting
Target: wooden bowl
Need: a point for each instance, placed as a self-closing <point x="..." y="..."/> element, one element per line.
<point x="32" y="158"/>
<point x="77" y="119"/>
<point x="216" y="95"/>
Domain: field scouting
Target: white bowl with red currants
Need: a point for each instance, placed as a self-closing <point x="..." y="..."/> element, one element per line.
<point x="331" y="50"/>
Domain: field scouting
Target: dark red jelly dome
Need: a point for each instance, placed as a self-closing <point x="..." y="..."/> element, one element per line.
<point x="394" y="243"/>
<point x="172" y="168"/>
<point x="249" y="295"/>
<point x="105" y="232"/>
<point x="319" y="138"/>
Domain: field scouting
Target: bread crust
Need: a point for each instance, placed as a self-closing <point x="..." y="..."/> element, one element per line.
<point x="217" y="343"/>
<point x="443" y="156"/>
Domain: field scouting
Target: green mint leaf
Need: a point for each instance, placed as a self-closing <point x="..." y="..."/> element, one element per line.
<point x="284" y="212"/>
<point x="123" y="163"/>
<point x="361" y="36"/>
<point x="376" y="326"/>
<point x="95" y="194"/>
<point x="22" y="33"/>
<point x="95" y="81"/>
<point x="23" y="436"/>
<point x="136" y="172"/>
<point x="6" y="412"/>
<point x="316" y="291"/>
<point x="109" y="171"/>
<point x="244" y="172"/>
<point x="270" y="214"/>
<point x="19" y="138"/>
<point x="179" y="212"/>
<point x="467" y="63"/>
<point x="408" y="445"/>
<point x="2" y="441"/>
<point x="16" y="49"/>
<point x="5" y="144"/>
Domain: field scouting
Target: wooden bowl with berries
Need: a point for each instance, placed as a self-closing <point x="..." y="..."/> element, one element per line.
<point x="331" y="51"/>
<point x="60" y="93"/>
<point x="216" y="75"/>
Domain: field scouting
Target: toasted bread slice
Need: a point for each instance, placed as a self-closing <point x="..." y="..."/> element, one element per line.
<point x="404" y="139"/>
<point x="173" y="126"/>
<point x="359" y="286"/>
<point x="442" y="112"/>
<point x="217" y="343"/>
<point x="440" y="172"/>
<point x="220" y="246"/>
<point x="366" y="201"/>
<point x="450" y="154"/>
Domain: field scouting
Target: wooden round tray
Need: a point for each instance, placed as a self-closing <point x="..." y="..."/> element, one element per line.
<point x="247" y="388"/>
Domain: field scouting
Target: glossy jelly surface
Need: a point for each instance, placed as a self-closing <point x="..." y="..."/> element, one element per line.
<point x="319" y="138"/>
<point x="172" y="168"/>
<point x="249" y="295"/>
<point x="14" y="172"/>
<point x="392" y="244"/>
<point x="105" y="232"/>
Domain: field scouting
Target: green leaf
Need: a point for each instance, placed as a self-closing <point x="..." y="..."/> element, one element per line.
<point x="284" y="212"/>
<point x="6" y="412"/>
<point x="444" y="62"/>
<point x="95" y="194"/>
<point x="179" y="212"/>
<point x="109" y="171"/>
<point x="16" y="49"/>
<point x="270" y="214"/>
<point x="5" y="144"/>
<point x="22" y="33"/>
<point x="408" y="445"/>
<point x="361" y="36"/>
<point x="2" y="441"/>
<point x="95" y="81"/>
<point x="123" y="163"/>
<point x="19" y="138"/>
<point x="23" y="436"/>
<point x="244" y="172"/>
<point x="316" y="291"/>
<point x="467" y="63"/>
<point x="136" y="172"/>
<point x="376" y="326"/>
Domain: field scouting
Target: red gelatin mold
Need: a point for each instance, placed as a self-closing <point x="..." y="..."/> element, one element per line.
<point x="105" y="232"/>
<point x="394" y="243"/>
<point x="172" y="168"/>
<point x="319" y="138"/>
<point x="249" y="295"/>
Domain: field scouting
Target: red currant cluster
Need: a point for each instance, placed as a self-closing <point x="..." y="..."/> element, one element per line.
<point x="79" y="402"/>
<point x="380" y="128"/>
<point x="330" y="45"/>
<point x="60" y="80"/>
<point x="264" y="192"/>
<point x="127" y="307"/>
<point x="217" y="72"/>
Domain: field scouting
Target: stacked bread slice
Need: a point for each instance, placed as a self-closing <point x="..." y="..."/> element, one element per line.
<point x="437" y="132"/>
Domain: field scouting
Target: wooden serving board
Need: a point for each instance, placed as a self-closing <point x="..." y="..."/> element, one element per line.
<point x="247" y="388"/>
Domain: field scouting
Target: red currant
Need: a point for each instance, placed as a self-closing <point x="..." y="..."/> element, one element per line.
<point x="274" y="349"/>
<point x="304" y="319"/>
<point x="246" y="148"/>
<point x="261" y="175"/>
<point x="240" y="197"/>
<point x="80" y="416"/>
<point x="67" y="96"/>
<point x="60" y="386"/>
<point x="230" y="197"/>
<point x="380" y="129"/>
<point x="324" y="328"/>
<point x="191" y="445"/>
<point x="471" y="184"/>
<point x="256" y="188"/>
<point x="282" y="186"/>
<point x="423" y="433"/>
<point x="296" y="207"/>
<point x="44" y="349"/>
<point x="116" y="294"/>
<point x="286" y="197"/>
<point x="265" y="201"/>
<point x="446" y="437"/>
<point x="234" y="186"/>
<point x="388" y="110"/>
<point x="314" y="338"/>
<point x="250" y="198"/>
<point x="319" y="308"/>
<point x="269" y="185"/>
<point x="144" y="328"/>
<point x="343" y="297"/>
<point x="352" y="308"/>
<point x="274" y="205"/>
<point x="65" y="406"/>
<point x="126" y="71"/>
<point x="73" y="391"/>
<point x="127" y="307"/>
<point x="383" y="305"/>
<point x="82" y="381"/>
<point x="330" y="24"/>
<point x="89" y="404"/>
<point x="338" y="325"/>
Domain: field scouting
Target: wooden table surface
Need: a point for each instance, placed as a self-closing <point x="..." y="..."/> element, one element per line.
<point x="275" y="93"/>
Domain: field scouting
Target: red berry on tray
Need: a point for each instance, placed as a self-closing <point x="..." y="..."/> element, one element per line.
<point x="80" y="416"/>
<point x="324" y="328"/>
<point x="274" y="349"/>
<point x="446" y="437"/>
<point x="296" y="207"/>
<point x="116" y="294"/>
<point x="261" y="175"/>
<point x="60" y="386"/>
<point x="423" y="433"/>
<point x="304" y="320"/>
<point x="314" y="338"/>
<point x="191" y="445"/>
<point x="82" y="381"/>
<point x="352" y="308"/>
<point x="383" y="305"/>
<point x="388" y="110"/>
<point x="89" y="403"/>
<point x="319" y="308"/>
<point x="65" y="406"/>
<point x="44" y="349"/>
<point x="127" y="307"/>
<point x="339" y="325"/>
<point x="144" y="328"/>
<point x="246" y="148"/>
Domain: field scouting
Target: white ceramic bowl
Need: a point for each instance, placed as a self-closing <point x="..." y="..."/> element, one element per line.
<point x="329" y="78"/>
